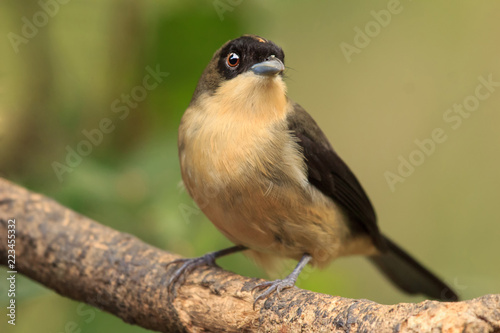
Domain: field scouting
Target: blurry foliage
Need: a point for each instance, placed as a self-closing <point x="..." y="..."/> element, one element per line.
<point x="66" y="79"/>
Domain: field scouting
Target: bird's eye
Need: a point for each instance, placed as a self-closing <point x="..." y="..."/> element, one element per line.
<point x="233" y="59"/>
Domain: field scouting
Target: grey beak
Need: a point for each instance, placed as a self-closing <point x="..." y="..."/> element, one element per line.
<point x="269" y="67"/>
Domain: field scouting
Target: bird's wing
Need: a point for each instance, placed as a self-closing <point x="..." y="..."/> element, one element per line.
<point x="329" y="174"/>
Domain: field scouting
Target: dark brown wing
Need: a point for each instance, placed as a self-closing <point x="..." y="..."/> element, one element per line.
<point x="328" y="173"/>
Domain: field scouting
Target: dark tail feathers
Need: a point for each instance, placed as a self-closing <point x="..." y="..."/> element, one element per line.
<point x="409" y="275"/>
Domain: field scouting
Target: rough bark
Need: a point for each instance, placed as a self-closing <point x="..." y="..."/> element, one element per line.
<point x="86" y="261"/>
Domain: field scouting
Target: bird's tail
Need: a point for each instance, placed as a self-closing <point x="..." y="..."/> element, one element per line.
<point x="409" y="275"/>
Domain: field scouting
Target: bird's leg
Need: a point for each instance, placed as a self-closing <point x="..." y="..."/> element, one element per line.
<point x="279" y="285"/>
<point x="188" y="264"/>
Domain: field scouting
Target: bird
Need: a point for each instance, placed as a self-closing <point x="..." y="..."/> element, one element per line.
<point x="264" y="173"/>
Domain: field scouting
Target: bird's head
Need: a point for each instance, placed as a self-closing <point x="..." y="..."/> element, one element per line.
<point x="244" y="67"/>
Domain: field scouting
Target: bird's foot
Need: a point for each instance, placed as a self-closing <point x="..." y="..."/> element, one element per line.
<point x="188" y="265"/>
<point x="279" y="285"/>
<point x="272" y="286"/>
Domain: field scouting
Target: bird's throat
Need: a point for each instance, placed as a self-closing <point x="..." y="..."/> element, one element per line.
<point x="252" y="98"/>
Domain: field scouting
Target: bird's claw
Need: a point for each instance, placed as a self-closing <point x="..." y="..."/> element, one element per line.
<point x="188" y="265"/>
<point x="276" y="285"/>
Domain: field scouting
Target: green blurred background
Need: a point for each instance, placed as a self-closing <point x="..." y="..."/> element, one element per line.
<point x="65" y="78"/>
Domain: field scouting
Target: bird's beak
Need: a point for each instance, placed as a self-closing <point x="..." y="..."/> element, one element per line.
<point x="269" y="67"/>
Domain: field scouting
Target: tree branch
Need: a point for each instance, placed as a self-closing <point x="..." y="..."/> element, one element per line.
<point x="88" y="262"/>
